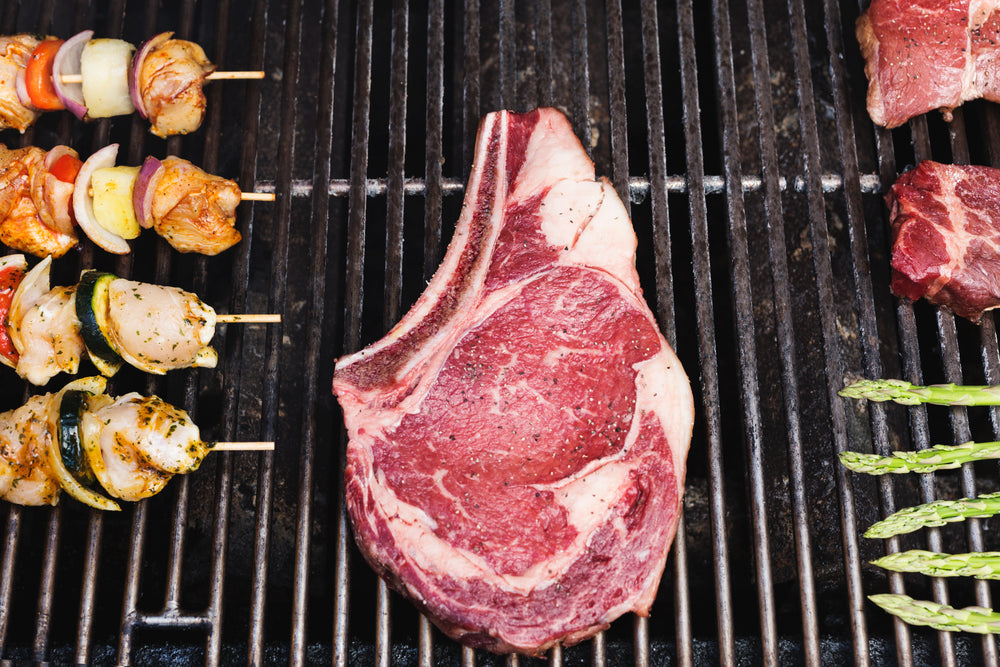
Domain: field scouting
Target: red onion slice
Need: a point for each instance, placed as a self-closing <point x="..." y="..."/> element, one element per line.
<point x="83" y="202"/>
<point x="145" y="186"/>
<point x="67" y="61"/>
<point x="133" y="72"/>
<point x="21" y="87"/>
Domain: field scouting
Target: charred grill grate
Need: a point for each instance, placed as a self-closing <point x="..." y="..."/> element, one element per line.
<point x="737" y="135"/>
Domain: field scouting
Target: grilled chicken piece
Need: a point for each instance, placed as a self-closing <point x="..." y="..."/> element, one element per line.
<point x="162" y="435"/>
<point x="14" y="53"/>
<point x="157" y="328"/>
<point x="193" y="210"/>
<point x="170" y="84"/>
<point x="21" y="227"/>
<point x="122" y="467"/>
<point x="51" y="337"/>
<point x="25" y="474"/>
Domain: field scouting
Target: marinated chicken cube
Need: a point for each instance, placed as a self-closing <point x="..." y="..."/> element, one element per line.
<point x="26" y="477"/>
<point x="50" y="333"/>
<point x="158" y="328"/>
<point x="170" y="83"/>
<point x="14" y="53"/>
<point x="119" y="463"/>
<point x="193" y="210"/>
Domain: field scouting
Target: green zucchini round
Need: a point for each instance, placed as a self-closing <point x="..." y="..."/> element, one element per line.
<point x="92" y="313"/>
<point x="71" y="407"/>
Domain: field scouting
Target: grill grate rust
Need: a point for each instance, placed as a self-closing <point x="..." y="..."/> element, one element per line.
<point x="735" y="132"/>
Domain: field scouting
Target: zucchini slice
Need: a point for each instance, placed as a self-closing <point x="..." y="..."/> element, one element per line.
<point x="70" y="447"/>
<point x="84" y="388"/>
<point x="92" y="312"/>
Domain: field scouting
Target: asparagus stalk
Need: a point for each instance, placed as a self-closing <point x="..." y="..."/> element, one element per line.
<point x="906" y="393"/>
<point x="938" y="457"/>
<point x="938" y="616"/>
<point x="981" y="565"/>
<point x="936" y="513"/>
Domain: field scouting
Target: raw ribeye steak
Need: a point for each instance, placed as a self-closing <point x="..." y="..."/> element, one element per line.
<point x="922" y="55"/>
<point x="946" y="236"/>
<point x="517" y="443"/>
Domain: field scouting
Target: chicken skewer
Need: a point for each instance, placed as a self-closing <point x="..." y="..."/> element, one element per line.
<point x="82" y="441"/>
<point x="112" y="321"/>
<point x="44" y="195"/>
<point x="100" y="78"/>
<point x="217" y="75"/>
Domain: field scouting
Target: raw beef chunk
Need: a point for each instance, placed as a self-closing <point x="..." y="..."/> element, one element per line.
<point x="946" y="236"/>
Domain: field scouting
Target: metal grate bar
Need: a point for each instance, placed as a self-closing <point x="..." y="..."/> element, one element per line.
<point x="543" y="36"/>
<point x="276" y="303"/>
<point x="580" y="74"/>
<point x="819" y="235"/>
<point x="639" y="187"/>
<point x="921" y="426"/>
<point x="963" y="432"/>
<point x="434" y="151"/>
<point x="433" y="146"/>
<point x="911" y="370"/>
<point x="619" y="177"/>
<point x="867" y="323"/>
<point x="355" y="269"/>
<point x="393" y="253"/>
<point x="707" y="341"/>
<point x="777" y="257"/>
<point x="470" y="83"/>
<point x="751" y="389"/>
<point x="317" y="278"/>
<point x="664" y="287"/>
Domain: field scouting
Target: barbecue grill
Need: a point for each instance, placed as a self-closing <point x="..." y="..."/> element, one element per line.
<point x="737" y="135"/>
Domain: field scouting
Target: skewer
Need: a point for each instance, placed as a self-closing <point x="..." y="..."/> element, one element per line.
<point x="244" y="196"/>
<point x="236" y="74"/>
<point x="243" y="446"/>
<point x="247" y="318"/>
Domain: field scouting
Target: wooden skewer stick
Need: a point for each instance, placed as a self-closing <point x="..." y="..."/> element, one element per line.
<point x="247" y="318"/>
<point x="236" y="74"/>
<point x="245" y="196"/>
<point x="243" y="446"/>
<point x="257" y="196"/>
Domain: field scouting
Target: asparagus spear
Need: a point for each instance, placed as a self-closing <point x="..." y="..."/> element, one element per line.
<point x="906" y="393"/>
<point x="938" y="457"/>
<point x="936" y="513"/>
<point x="981" y="565"/>
<point x="938" y="616"/>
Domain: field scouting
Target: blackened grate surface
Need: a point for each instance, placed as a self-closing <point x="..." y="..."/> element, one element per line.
<point x="737" y="133"/>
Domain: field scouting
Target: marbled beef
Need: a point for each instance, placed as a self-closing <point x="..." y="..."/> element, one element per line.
<point x="518" y="441"/>
<point x="922" y="55"/>
<point x="946" y="236"/>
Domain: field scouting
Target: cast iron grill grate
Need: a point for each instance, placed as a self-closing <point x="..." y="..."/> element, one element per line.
<point x="736" y="134"/>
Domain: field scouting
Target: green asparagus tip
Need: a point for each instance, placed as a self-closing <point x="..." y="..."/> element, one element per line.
<point x="881" y="390"/>
<point x="938" y="457"/>
<point x="938" y="616"/>
<point x="981" y="565"/>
